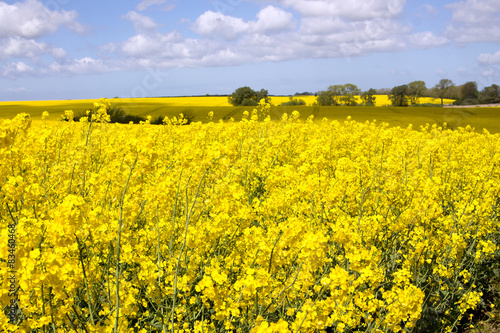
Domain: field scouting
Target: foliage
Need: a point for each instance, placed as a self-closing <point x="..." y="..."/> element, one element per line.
<point x="467" y="101"/>
<point x="399" y="95"/>
<point x="116" y="115"/>
<point x="416" y="90"/>
<point x="249" y="102"/>
<point x="339" y="95"/>
<point x="189" y="115"/>
<point x="368" y="97"/>
<point x="293" y="102"/>
<point x="443" y="89"/>
<point x="248" y="97"/>
<point x="251" y="226"/>
<point x="326" y="98"/>
<point x="468" y="91"/>
<point x="490" y="95"/>
<point x="426" y="105"/>
<point x="348" y="93"/>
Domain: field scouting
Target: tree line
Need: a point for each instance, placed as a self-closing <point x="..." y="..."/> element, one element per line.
<point x="402" y="95"/>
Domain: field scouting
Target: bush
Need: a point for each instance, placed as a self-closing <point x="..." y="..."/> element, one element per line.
<point x="189" y="115"/>
<point x="467" y="101"/>
<point x="242" y="94"/>
<point x="470" y="101"/>
<point x="157" y="120"/>
<point x="116" y="115"/>
<point x="429" y="105"/>
<point x="293" y="102"/>
<point x="249" y="102"/>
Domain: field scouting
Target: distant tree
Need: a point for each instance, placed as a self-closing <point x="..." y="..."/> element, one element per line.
<point x="399" y="95"/>
<point x="339" y="94"/>
<point x="305" y="93"/>
<point x="347" y="94"/>
<point x="490" y="95"/>
<point x="416" y="90"/>
<point x="368" y="97"/>
<point x="468" y="91"/>
<point x="443" y="89"/>
<point x="263" y="94"/>
<point x="383" y="91"/>
<point x="336" y="91"/>
<point x="331" y="96"/>
<point x="324" y="98"/>
<point x="247" y="96"/>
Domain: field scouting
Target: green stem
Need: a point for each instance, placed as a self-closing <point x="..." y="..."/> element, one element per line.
<point x="120" y="224"/>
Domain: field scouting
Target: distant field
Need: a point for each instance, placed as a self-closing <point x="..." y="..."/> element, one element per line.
<point x="479" y="118"/>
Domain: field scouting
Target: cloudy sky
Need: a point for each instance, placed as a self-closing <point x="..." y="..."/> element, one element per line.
<point x="71" y="49"/>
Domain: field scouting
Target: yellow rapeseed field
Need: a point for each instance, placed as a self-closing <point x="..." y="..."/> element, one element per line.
<point x="194" y="101"/>
<point x="246" y="226"/>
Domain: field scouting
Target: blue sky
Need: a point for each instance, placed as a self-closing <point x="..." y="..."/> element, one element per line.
<point x="73" y="49"/>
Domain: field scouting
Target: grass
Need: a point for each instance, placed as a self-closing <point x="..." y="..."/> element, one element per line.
<point x="478" y="118"/>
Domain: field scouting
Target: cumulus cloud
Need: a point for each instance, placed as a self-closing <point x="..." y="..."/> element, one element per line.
<point x="474" y="21"/>
<point x="144" y="45"/>
<point x="273" y="19"/>
<point x="314" y="29"/>
<point x="22" y="23"/>
<point x="84" y="65"/>
<point x="351" y="10"/>
<point x="141" y="22"/>
<point x="145" y="4"/>
<point x="212" y="24"/>
<point x="15" y="69"/>
<point x="288" y="29"/>
<point x="427" y="39"/>
<point x="489" y="59"/>
<point x="270" y="20"/>
<point x="31" y="19"/>
<point x="16" y="47"/>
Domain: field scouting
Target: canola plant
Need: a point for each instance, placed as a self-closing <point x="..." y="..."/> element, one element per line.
<point x="246" y="226"/>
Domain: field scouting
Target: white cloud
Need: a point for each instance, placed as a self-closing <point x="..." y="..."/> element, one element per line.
<point x="84" y="65"/>
<point x="474" y="21"/>
<point x="289" y="29"/>
<point x="272" y="19"/>
<point x="462" y="71"/>
<point x="490" y="73"/>
<point x="351" y="10"/>
<point x="276" y="34"/>
<point x="145" y="4"/>
<point x="323" y="25"/>
<point x="145" y="45"/>
<point x="430" y="9"/>
<point x="211" y="24"/>
<point x="15" y="69"/>
<point x="16" y="47"/>
<point x="31" y="19"/>
<point x="19" y="89"/>
<point x="427" y="39"/>
<point x="489" y="59"/>
<point x="141" y="22"/>
<point x="441" y="73"/>
<point x="473" y="11"/>
<point x="397" y="72"/>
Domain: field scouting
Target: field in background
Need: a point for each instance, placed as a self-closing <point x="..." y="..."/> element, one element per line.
<point x="200" y="106"/>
